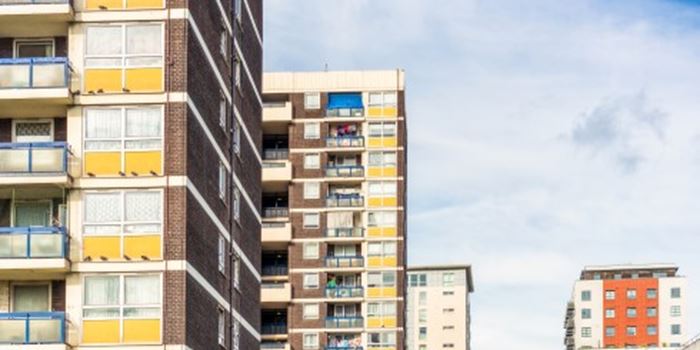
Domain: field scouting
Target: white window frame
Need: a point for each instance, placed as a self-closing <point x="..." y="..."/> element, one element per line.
<point x="387" y="249"/>
<point x="309" y="284"/>
<point x="386" y="339"/>
<point x="386" y="129"/>
<point x="32" y="121"/>
<point x="237" y="272"/>
<point x="223" y="112"/>
<point x="16" y="43"/>
<point x="310" y="250"/>
<point x="586" y="332"/>
<point x="310" y="311"/>
<point x="609" y="313"/>
<point x="315" y="103"/>
<point x="382" y="188"/>
<point x="312" y="190"/>
<point x="384" y="100"/>
<point x="222" y="254"/>
<point x="382" y="279"/>
<point x="382" y="218"/>
<point x="448" y="279"/>
<point x="309" y="225"/>
<point x="312" y="131"/>
<point x="610" y="295"/>
<point x="383" y="161"/>
<point x="224" y="43"/>
<point x="221" y="323"/>
<point x="308" y="164"/>
<point x="675" y="311"/>
<point x="236" y="336"/>
<point x="223" y="181"/>
<point x="28" y="283"/>
<point x="236" y="137"/>
<point x="237" y="204"/>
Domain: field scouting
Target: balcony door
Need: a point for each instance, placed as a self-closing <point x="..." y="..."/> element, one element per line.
<point x="30" y="298"/>
<point x="32" y="214"/>
<point x="30" y="48"/>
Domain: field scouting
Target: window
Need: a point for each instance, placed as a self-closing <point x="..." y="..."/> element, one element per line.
<point x="382" y="99"/>
<point x="448" y="279"/>
<point x="422" y="315"/>
<point x="422" y="347"/>
<point x="586" y="332"/>
<point x="448" y="328"/>
<point x="236" y="272"/>
<point x="312" y="161"/>
<point x="382" y="129"/>
<point x="675" y="293"/>
<point x="631" y="294"/>
<point x="310" y="339"/>
<point x="422" y="333"/>
<point x="222" y="254"/>
<point x="310" y="311"/>
<point x="596" y="276"/>
<point x="448" y="345"/>
<point x="32" y="48"/>
<point x="651" y="293"/>
<point x="585" y="314"/>
<point x="631" y="312"/>
<point x="310" y="281"/>
<point x="384" y="279"/>
<point x="609" y="313"/>
<point x="381" y="249"/>
<point x="312" y="131"/>
<point x="381" y="219"/>
<point x="422" y="298"/>
<point x="586" y="295"/>
<point x="237" y="72"/>
<point x="222" y="327"/>
<point x="123" y="214"/>
<point x="651" y="312"/>
<point x="381" y="309"/>
<point x="236" y="334"/>
<point x="381" y="340"/>
<point x="382" y="188"/>
<point x="30" y="297"/>
<point x="312" y="190"/>
<point x="311" y="220"/>
<point x="123" y="130"/>
<point x="236" y="204"/>
<point x="675" y="310"/>
<point x="651" y="330"/>
<point x="418" y="280"/>
<point x="223" y="107"/>
<point x="236" y="137"/>
<point x="238" y="8"/>
<point x="310" y="250"/>
<point x="223" y="177"/>
<point x="122" y="46"/>
<point x="382" y="159"/>
<point x="448" y="292"/>
<point x="312" y="100"/>
<point x="631" y="330"/>
<point x="32" y="130"/>
<point x="448" y="310"/>
<point x="675" y="329"/>
<point x="609" y="295"/>
<point x="223" y="43"/>
<point x="609" y="331"/>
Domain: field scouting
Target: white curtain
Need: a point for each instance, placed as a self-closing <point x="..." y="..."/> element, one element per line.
<point x="142" y="290"/>
<point x="375" y="98"/>
<point x="144" y="39"/>
<point x="389" y="129"/>
<point x="340" y="220"/>
<point x="389" y="98"/>
<point x="144" y="122"/>
<point x="104" y="40"/>
<point x="102" y="207"/>
<point x="103" y="124"/>
<point x="389" y="158"/>
<point x="101" y="290"/>
<point x="143" y="206"/>
<point x="374" y="249"/>
<point x="375" y="129"/>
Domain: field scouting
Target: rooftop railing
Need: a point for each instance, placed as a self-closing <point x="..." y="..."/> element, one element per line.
<point x="345" y="171"/>
<point x="345" y="261"/>
<point x="344" y="200"/>
<point x="33" y="242"/>
<point x="32" y="328"/>
<point x="33" y="158"/>
<point x="345" y="232"/>
<point x="34" y="73"/>
<point x="344" y="322"/>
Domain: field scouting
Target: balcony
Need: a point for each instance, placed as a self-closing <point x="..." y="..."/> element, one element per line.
<point x="345" y="261"/>
<point x="344" y="322"/>
<point x="277" y="171"/>
<point x="277" y="112"/>
<point x="345" y="201"/>
<point x="275" y="212"/>
<point x="345" y="171"/>
<point x="345" y="141"/>
<point x="345" y="112"/>
<point x="33" y="328"/>
<point x="345" y="232"/>
<point x="343" y="292"/>
<point x="35" y="18"/>
<point x="276" y="232"/>
<point x="275" y="270"/>
<point x="34" y="163"/>
<point x="276" y="154"/>
<point x="40" y="250"/>
<point x="275" y="346"/>
<point x="279" y="328"/>
<point x="276" y="293"/>
<point x="24" y="82"/>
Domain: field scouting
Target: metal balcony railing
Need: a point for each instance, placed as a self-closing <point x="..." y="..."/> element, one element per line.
<point x="275" y="154"/>
<point x="345" y="141"/>
<point x="345" y="171"/>
<point x="273" y="328"/>
<point x="275" y="270"/>
<point x="344" y="200"/>
<point x="275" y="212"/>
<point x="344" y="322"/>
<point x="345" y="232"/>
<point x="34" y="73"/>
<point x="344" y="112"/>
<point x="32" y="328"/>
<point x="340" y="292"/>
<point x="345" y="261"/>
<point x="33" y="158"/>
<point x="33" y="242"/>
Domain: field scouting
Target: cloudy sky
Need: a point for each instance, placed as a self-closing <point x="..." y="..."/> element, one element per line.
<point x="544" y="135"/>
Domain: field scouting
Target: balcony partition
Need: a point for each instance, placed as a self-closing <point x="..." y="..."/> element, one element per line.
<point x="33" y="158"/>
<point x="32" y="328"/>
<point x="33" y="242"/>
<point x="34" y="73"/>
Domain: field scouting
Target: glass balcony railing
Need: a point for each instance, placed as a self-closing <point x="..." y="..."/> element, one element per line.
<point x="273" y="328"/>
<point x="345" y="200"/>
<point x="344" y="322"/>
<point x="33" y="2"/>
<point x="345" y="171"/>
<point x="275" y="212"/>
<point x="33" y="242"/>
<point x="32" y="328"/>
<point x="345" y="261"/>
<point x="34" y="73"/>
<point x="340" y="292"/>
<point x="344" y="112"/>
<point x="33" y="158"/>
<point x="345" y="232"/>
<point x="345" y="141"/>
<point x="275" y="154"/>
<point x="275" y="270"/>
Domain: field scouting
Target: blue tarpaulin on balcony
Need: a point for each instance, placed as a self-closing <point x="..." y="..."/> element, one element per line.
<point x="345" y="100"/>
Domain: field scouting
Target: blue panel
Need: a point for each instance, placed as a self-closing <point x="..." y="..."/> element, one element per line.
<point x="345" y="100"/>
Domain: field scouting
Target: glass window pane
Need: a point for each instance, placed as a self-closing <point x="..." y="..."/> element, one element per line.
<point x="103" y="123"/>
<point x="142" y="290"/>
<point x="144" y="122"/>
<point x="143" y="206"/>
<point x="104" y="40"/>
<point x="102" y="207"/>
<point x="144" y="39"/>
<point x="101" y="290"/>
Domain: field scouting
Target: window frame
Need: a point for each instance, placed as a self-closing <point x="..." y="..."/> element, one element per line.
<point x="314" y="344"/>
<point x="307" y="225"/>
<point x="223" y="181"/>
<point x="308" y="286"/>
<point x="51" y="122"/>
<point x="222" y="254"/>
<point x="309" y="192"/>
<point x="16" y="43"/>
<point x="312" y="166"/>
<point x="315" y="105"/>
<point x="311" y="315"/>
<point x="312" y="131"/>
<point x="309" y="246"/>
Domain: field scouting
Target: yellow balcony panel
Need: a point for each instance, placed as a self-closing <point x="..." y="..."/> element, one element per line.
<point x="390" y="172"/>
<point x="101" y="331"/>
<point x="389" y="142"/>
<point x="104" y="4"/>
<point x="276" y="293"/>
<point x="389" y="292"/>
<point x="374" y="261"/>
<point x="374" y="142"/>
<point x="389" y="322"/>
<point x="103" y="80"/>
<point x="374" y="232"/>
<point x="389" y="261"/>
<point x="277" y="112"/>
<point x="390" y="112"/>
<point x="108" y="247"/>
<point x="374" y="172"/>
<point x="142" y="331"/>
<point x="137" y="247"/>
<point x="389" y="202"/>
<point x="144" y="80"/>
<point x="374" y="202"/>
<point x="143" y="163"/>
<point x="144" y="4"/>
<point x="374" y="322"/>
<point x="389" y="232"/>
<point x="381" y="292"/>
<point x="374" y="292"/>
<point x="103" y="163"/>
<point x="374" y="111"/>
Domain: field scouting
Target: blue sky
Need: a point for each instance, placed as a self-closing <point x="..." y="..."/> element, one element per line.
<point x="544" y="135"/>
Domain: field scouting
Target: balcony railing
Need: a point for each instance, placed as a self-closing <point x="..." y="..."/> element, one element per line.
<point x="33" y="158"/>
<point x="274" y="328"/>
<point x="345" y="200"/>
<point x="345" y="292"/>
<point x="34" y="73"/>
<point x="345" y="141"/>
<point x="344" y="322"/>
<point x="345" y="232"/>
<point x="33" y="328"/>
<point x="345" y="112"/>
<point x="275" y="212"/>
<point x="33" y="2"/>
<point x="345" y="261"/>
<point x="345" y="171"/>
<point x="273" y="345"/>
<point x="33" y="242"/>
<point x="275" y="154"/>
<point x="275" y="270"/>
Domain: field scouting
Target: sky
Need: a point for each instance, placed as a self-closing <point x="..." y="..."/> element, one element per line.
<point x="544" y="135"/>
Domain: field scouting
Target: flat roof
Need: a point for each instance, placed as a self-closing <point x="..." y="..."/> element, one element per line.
<point x="333" y="81"/>
<point x="627" y="267"/>
<point x="467" y="268"/>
